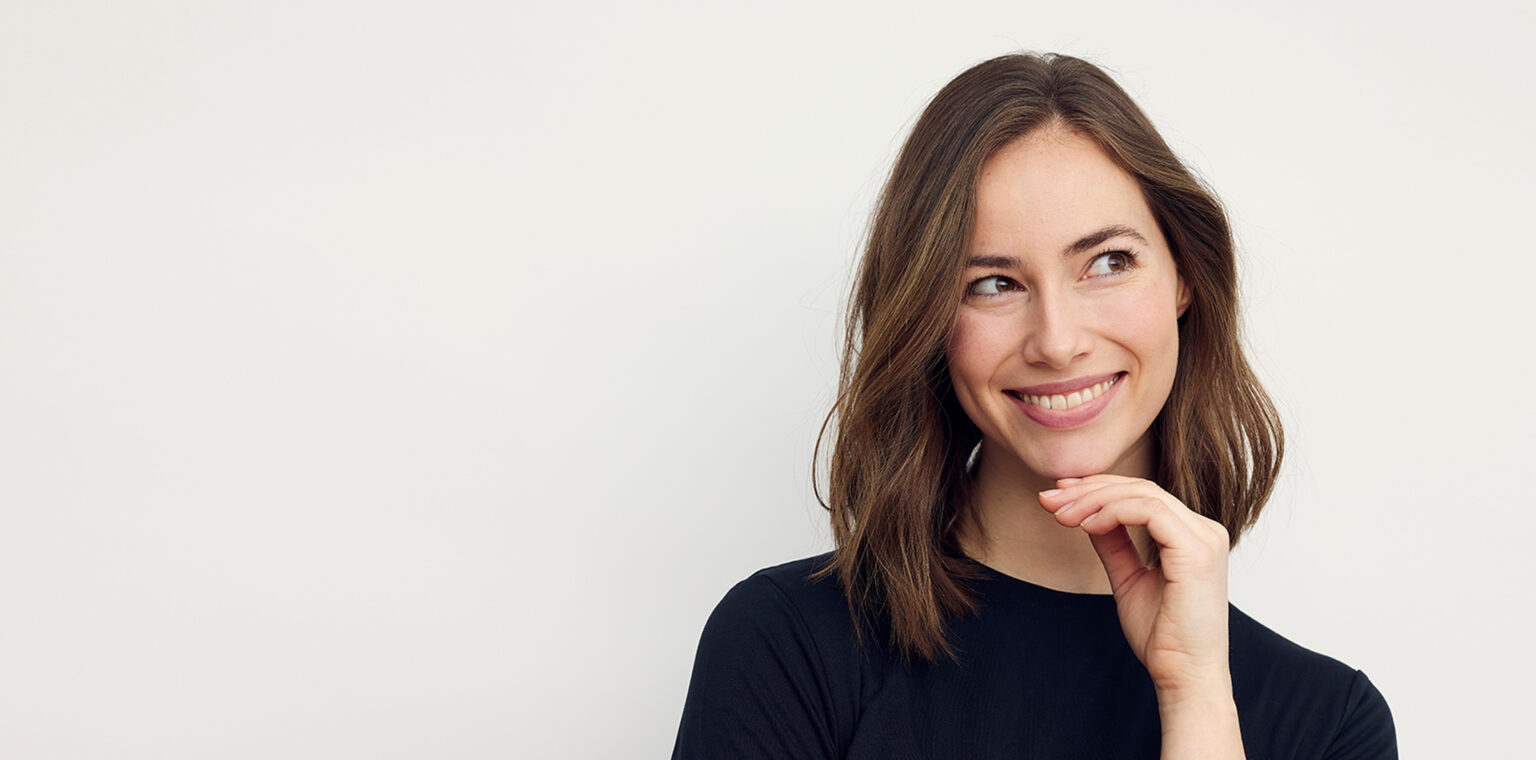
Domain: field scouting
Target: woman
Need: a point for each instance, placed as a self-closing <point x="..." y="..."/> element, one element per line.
<point x="1047" y="441"/>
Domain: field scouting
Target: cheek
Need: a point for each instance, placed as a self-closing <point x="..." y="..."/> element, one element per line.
<point x="975" y="352"/>
<point x="1147" y="324"/>
<point x="958" y="355"/>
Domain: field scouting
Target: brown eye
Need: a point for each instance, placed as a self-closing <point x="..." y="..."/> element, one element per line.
<point x="1113" y="262"/>
<point x="992" y="285"/>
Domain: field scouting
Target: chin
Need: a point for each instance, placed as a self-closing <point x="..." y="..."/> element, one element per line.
<point x="1069" y="465"/>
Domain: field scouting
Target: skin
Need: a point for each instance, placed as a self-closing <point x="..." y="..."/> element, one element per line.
<point x="1071" y="509"/>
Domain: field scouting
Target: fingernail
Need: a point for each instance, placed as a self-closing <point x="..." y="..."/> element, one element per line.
<point x="1051" y="492"/>
<point x="1064" y="507"/>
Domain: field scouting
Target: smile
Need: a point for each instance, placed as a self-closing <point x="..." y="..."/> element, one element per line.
<point x="1068" y="400"/>
<point x="1068" y="404"/>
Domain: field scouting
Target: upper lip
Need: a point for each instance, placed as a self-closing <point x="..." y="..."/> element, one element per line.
<point x="1075" y="384"/>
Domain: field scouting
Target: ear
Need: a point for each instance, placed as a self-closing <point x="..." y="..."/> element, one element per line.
<point x="1184" y="296"/>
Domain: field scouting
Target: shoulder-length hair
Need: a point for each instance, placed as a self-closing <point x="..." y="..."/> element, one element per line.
<point x="898" y="480"/>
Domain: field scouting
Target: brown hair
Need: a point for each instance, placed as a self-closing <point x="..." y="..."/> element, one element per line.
<point x="897" y="475"/>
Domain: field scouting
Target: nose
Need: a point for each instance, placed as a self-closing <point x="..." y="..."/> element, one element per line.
<point x="1057" y="334"/>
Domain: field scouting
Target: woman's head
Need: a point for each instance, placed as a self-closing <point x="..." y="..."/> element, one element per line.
<point x="1065" y="342"/>
<point x="898" y="479"/>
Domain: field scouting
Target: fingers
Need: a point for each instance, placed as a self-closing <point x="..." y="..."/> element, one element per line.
<point x="1103" y="505"/>
<point x="1075" y="502"/>
<point x="1082" y="497"/>
<point x="1160" y="521"/>
<point x="1059" y="499"/>
<point x="1121" y="560"/>
<point x="1188" y="552"/>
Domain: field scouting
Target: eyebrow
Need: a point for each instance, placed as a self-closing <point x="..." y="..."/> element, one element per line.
<point x="1085" y="243"/>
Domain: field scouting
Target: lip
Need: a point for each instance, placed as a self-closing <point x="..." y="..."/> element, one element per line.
<point x="1065" y="419"/>
<point x="1066" y="386"/>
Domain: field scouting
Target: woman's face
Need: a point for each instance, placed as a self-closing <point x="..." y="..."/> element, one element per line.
<point x="1066" y="340"/>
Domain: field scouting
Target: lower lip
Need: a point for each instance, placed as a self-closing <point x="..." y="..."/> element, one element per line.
<point x="1066" y="419"/>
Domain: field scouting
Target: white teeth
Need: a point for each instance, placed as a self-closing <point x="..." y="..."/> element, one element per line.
<point x="1075" y="398"/>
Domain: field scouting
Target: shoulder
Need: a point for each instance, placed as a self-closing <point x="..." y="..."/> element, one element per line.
<point x="775" y="674"/>
<point x="1284" y="689"/>
<point x="794" y="583"/>
<point x="783" y="603"/>
<point x="797" y="580"/>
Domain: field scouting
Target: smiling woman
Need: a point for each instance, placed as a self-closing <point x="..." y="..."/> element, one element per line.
<point x="1051" y="312"/>
<point x="1047" y="440"/>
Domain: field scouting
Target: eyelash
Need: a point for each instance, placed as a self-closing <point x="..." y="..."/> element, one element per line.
<point x="1130" y="263"/>
<point x="1130" y="260"/>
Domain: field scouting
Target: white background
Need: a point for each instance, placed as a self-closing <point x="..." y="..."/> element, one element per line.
<point x="410" y="380"/>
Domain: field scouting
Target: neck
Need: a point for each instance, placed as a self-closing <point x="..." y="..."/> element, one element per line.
<point x="1007" y="530"/>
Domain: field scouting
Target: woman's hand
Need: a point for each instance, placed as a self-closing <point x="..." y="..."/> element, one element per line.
<point x="1174" y="616"/>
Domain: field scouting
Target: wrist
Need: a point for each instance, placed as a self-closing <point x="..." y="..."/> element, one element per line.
<point x="1202" y="707"/>
<point x="1194" y="682"/>
<point x="1208" y="697"/>
<point x="1200" y="722"/>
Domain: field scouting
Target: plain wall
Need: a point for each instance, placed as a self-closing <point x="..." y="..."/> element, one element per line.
<point x="410" y="380"/>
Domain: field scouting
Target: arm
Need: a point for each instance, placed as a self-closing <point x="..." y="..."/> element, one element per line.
<point x="758" y="688"/>
<point x="1173" y="616"/>
<point x="1200" y="723"/>
<point x="1367" y="731"/>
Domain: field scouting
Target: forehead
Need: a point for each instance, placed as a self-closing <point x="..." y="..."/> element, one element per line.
<point x="1042" y="191"/>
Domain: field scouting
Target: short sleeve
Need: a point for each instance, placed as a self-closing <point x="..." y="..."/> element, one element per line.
<point x="759" y="687"/>
<point x="1367" y="731"/>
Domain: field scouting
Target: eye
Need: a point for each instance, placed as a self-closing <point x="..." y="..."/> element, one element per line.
<point x="1111" y="263"/>
<point x="991" y="285"/>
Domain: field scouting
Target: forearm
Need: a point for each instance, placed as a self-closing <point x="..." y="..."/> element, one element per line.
<point x="1200" y="724"/>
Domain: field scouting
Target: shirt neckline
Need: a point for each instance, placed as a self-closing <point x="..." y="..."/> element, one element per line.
<point x="1005" y="581"/>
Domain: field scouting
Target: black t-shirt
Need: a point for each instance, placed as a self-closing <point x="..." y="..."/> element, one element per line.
<point x="1041" y="674"/>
